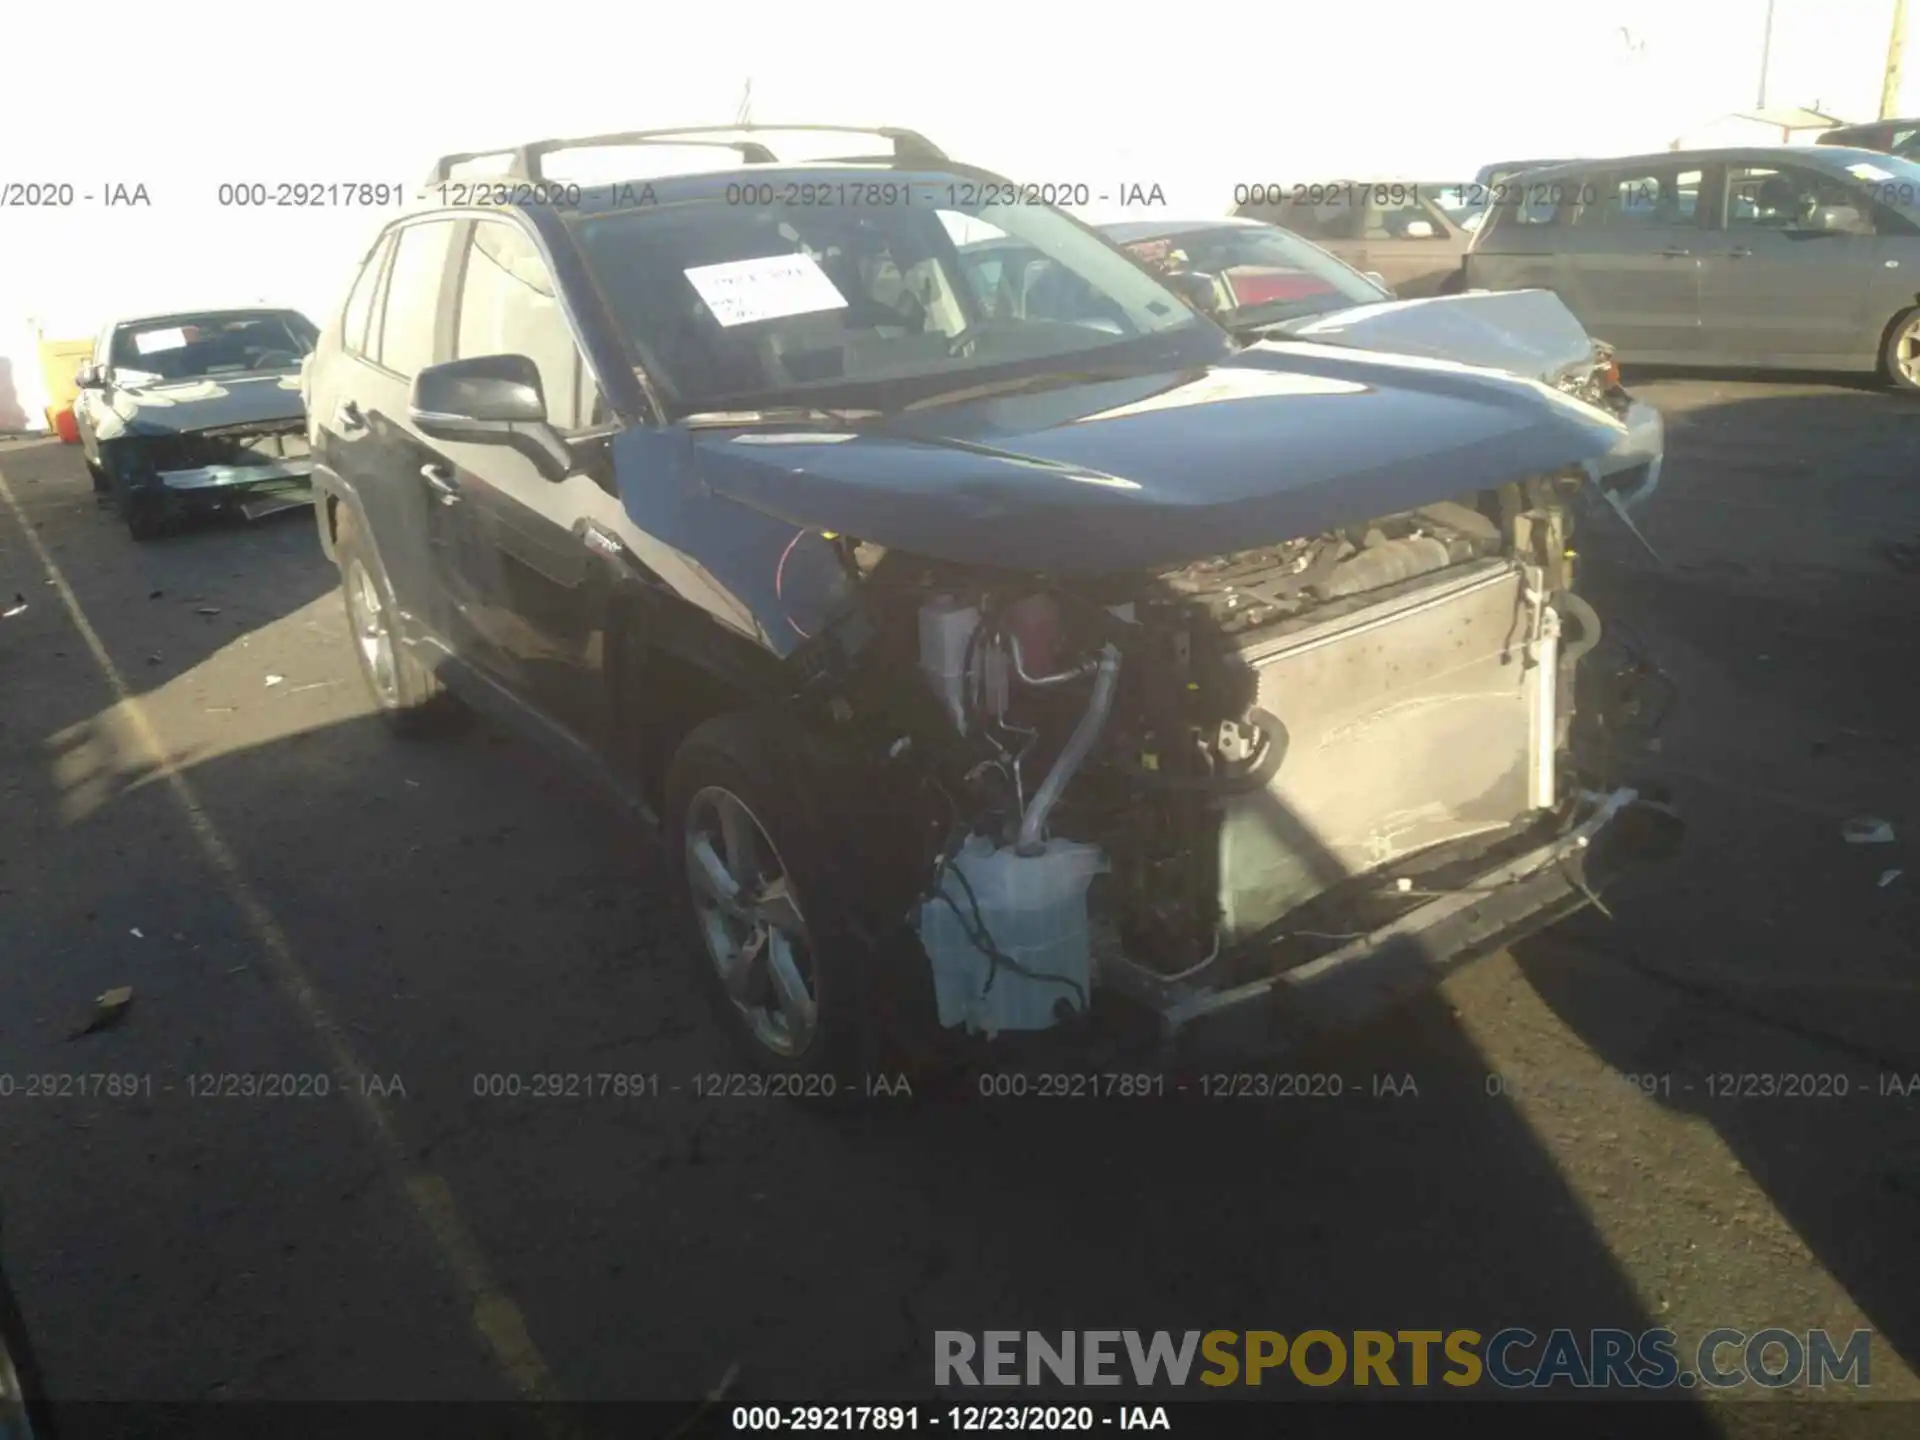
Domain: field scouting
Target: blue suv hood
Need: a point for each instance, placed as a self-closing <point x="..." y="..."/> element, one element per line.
<point x="1282" y="440"/>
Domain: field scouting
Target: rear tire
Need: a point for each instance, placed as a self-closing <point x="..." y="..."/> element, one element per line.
<point x="411" y="699"/>
<point x="1900" y="352"/>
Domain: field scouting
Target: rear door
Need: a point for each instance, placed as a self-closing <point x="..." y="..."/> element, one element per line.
<point x="533" y="587"/>
<point x="362" y="405"/>
<point x="1628" y="261"/>
<point x="1788" y="275"/>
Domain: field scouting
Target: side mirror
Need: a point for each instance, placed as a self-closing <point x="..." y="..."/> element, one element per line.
<point x="88" y="377"/>
<point x="1377" y="278"/>
<point x="490" y="400"/>
<point x="1419" y="230"/>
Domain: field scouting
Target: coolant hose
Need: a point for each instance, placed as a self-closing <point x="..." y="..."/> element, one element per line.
<point x="1106" y="679"/>
<point x="1590" y="626"/>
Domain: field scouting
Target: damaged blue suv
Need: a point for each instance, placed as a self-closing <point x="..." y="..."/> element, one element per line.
<point x="1040" y="660"/>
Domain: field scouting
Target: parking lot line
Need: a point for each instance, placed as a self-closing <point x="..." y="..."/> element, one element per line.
<point x="496" y="1318"/>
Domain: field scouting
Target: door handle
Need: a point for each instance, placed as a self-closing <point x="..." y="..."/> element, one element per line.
<point x="1675" y="252"/>
<point x="348" y="420"/>
<point x="603" y="542"/>
<point x="440" y="479"/>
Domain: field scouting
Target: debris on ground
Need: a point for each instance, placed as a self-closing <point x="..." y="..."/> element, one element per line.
<point x="1867" y="830"/>
<point x="207" y="610"/>
<point x="109" y="1009"/>
<point x="1887" y="877"/>
<point x="275" y="679"/>
<point x="19" y="604"/>
<point x="155" y="594"/>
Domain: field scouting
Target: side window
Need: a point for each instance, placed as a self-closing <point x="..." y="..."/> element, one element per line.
<point x="508" y="307"/>
<point x="1333" y="220"/>
<point x="413" y="296"/>
<point x="1410" y="219"/>
<point x="1766" y="197"/>
<point x="1638" y="200"/>
<point x="353" y="321"/>
<point x="1541" y="202"/>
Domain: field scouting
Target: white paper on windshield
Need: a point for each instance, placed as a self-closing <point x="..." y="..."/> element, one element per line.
<point x="742" y="291"/>
<point x="148" y="341"/>
<point x="839" y="439"/>
<point x="1864" y="171"/>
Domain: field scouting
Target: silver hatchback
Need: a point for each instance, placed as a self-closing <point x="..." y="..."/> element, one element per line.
<point x="1783" y="257"/>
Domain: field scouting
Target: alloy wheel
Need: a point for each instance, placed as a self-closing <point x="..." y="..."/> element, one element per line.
<point x="752" y="926"/>
<point x="372" y="633"/>
<point x="1906" y="351"/>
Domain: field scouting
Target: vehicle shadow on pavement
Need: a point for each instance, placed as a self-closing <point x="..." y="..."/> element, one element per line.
<point x="471" y="918"/>
<point x="489" y="920"/>
<point x="1764" y="984"/>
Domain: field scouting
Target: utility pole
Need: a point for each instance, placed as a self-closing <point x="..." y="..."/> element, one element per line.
<point x="1766" y="54"/>
<point x="1890" y="85"/>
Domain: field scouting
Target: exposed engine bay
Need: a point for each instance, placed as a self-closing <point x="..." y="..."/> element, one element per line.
<point x="1161" y="785"/>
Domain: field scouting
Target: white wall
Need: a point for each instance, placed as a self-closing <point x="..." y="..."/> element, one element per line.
<point x="181" y="100"/>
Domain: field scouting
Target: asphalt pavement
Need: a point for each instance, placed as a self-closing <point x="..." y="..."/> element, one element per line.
<point x="308" y="1159"/>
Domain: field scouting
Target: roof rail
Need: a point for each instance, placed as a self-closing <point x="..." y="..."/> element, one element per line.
<point x="524" y="161"/>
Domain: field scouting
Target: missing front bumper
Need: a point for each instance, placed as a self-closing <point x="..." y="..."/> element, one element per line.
<point x="1501" y="905"/>
<point x="1630" y="472"/>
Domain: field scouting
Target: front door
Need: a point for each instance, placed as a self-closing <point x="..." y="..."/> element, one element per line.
<point x="1788" y="276"/>
<point x="532" y="586"/>
<point x="1629" y="259"/>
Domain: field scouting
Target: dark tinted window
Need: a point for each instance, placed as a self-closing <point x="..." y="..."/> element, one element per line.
<point x="508" y="307"/>
<point x="1768" y="197"/>
<point x="413" y="296"/>
<point x="1653" y="198"/>
<point x="353" y="322"/>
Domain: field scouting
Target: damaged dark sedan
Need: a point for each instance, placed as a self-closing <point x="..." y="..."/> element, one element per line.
<point x="988" y="674"/>
<point x="197" y="411"/>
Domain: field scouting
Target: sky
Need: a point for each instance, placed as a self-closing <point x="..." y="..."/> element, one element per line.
<point x="1253" y="90"/>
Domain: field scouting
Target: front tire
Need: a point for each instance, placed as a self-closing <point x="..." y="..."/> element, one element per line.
<point x="779" y="960"/>
<point x="143" y="513"/>
<point x="1900" y="352"/>
<point x="411" y="698"/>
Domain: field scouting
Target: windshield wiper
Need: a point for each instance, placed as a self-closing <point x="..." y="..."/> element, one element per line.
<point x="774" y="415"/>
<point x="1052" y="379"/>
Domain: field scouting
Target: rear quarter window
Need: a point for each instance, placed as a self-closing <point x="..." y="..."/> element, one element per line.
<point x="353" y="321"/>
